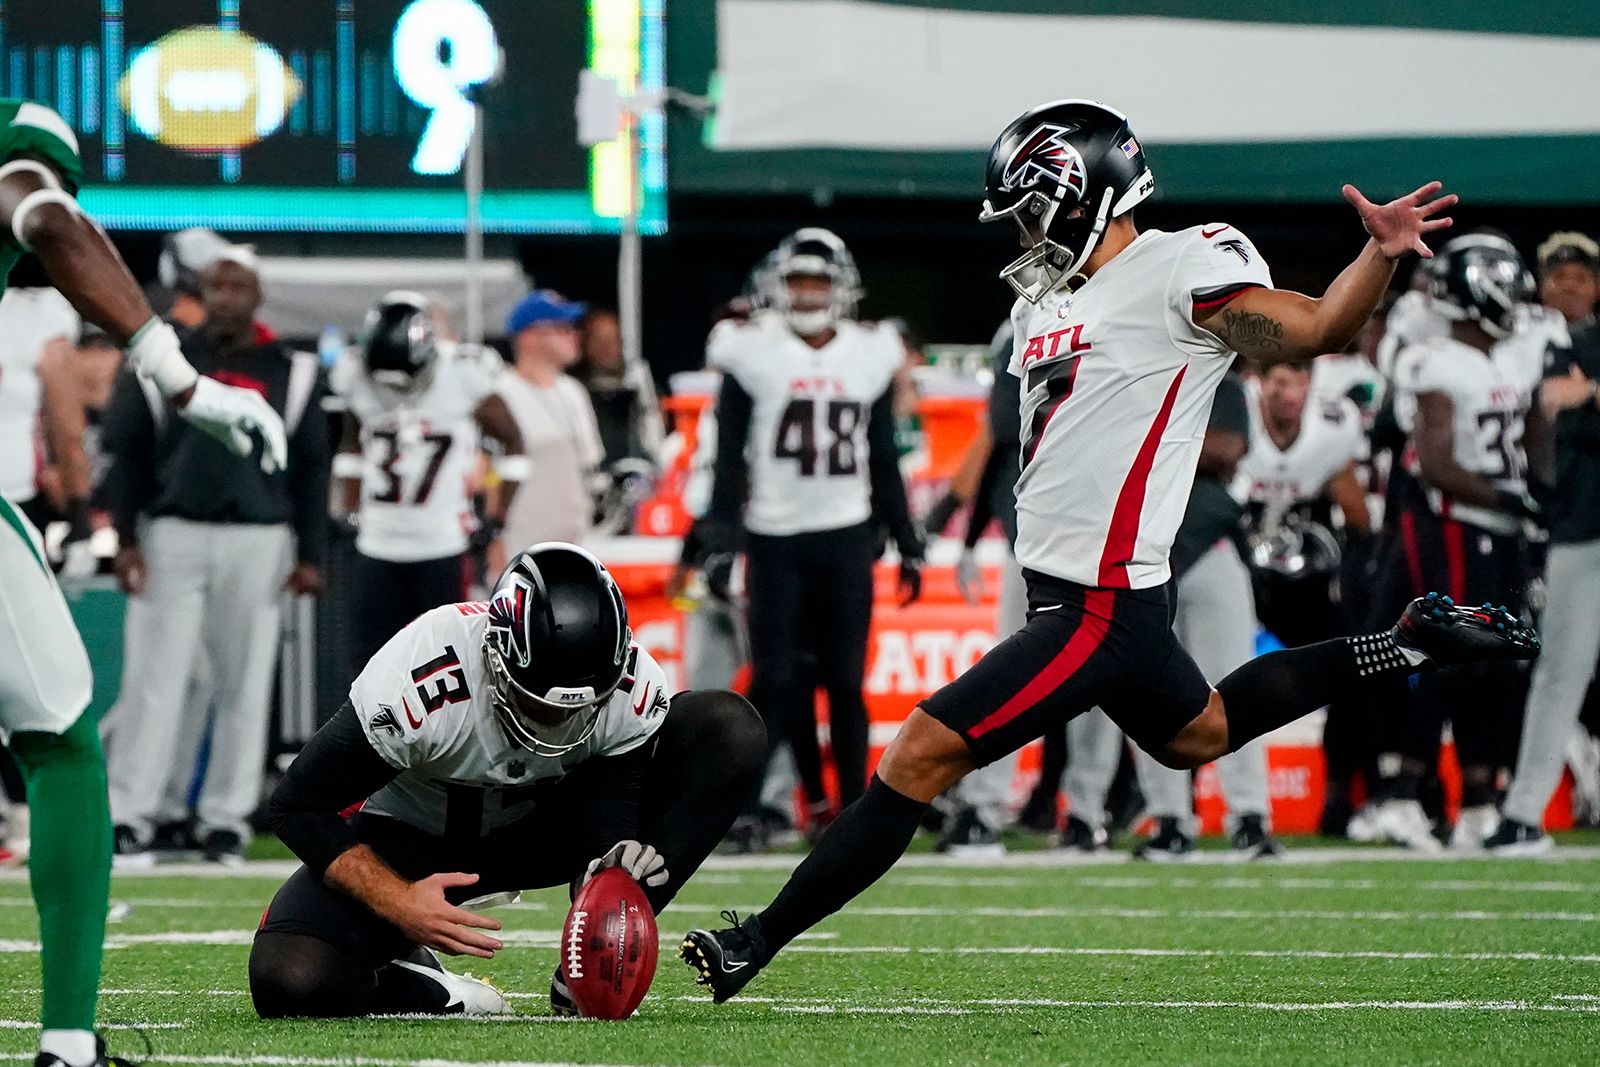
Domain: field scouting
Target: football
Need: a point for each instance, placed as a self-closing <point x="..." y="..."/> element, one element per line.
<point x="608" y="946"/>
<point x="206" y="89"/>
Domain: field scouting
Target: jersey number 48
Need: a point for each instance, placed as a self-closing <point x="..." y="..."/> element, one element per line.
<point x="797" y="435"/>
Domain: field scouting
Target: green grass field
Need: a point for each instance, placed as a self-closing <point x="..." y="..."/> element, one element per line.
<point x="1333" y="958"/>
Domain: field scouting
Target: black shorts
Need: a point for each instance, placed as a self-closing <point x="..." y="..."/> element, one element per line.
<point x="1082" y="647"/>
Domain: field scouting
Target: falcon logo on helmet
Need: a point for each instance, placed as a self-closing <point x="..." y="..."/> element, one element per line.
<point x="508" y="613"/>
<point x="1096" y="171"/>
<point x="1046" y="154"/>
<point x="1480" y="277"/>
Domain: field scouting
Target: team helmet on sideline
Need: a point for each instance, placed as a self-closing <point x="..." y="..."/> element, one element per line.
<point x="400" y="342"/>
<point x="812" y="252"/>
<point x="1480" y="277"/>
<point x="556" y="648"/>
<point x="1061" y="172"/>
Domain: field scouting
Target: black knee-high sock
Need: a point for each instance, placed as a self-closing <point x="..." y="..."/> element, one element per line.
<point x="1280" y="687"/>
<point x="857" y="850"/>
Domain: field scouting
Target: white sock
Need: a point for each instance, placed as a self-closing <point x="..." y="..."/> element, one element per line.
<point x="76" y="1047"/>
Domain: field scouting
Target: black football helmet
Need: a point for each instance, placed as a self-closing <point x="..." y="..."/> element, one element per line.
<point x="1480" y="277"/>
<point x="818" y="253"/>
<point x="557" y="646"/>
<point x="1061" y="172"/>
<point x="400" y="342"/>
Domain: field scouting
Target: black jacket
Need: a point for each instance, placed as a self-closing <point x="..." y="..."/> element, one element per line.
<point x="162" y="466"/>
<point x="1574" y="502"/>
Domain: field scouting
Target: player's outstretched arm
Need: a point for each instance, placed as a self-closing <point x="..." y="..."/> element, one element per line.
<point x="1274" y="325"/>
<point x="83" y="264"/>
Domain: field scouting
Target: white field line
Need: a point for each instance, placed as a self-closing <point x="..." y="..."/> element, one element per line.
<point x="1048" y="858"/>
<point x="1198" y="953"/>
<point x="341" y="1061"/>
<point x="742" y="877"/>
<point x="33" y="1024"/>
<point x="242" y="936"/>
<point x="910" y="911"/>
<point x="1133" y="882"/>
<point x="935" y="1007"/>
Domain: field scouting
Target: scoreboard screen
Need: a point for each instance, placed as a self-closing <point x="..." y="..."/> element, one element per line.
<point x="300" y="115"/>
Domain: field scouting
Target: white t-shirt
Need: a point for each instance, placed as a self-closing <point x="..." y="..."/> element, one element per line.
<point x="562" y="443"/>
<point x="1330" y="438"/>
<point x="807" y="445"/>
<point x="418" y="452"/>
<point x="1489" y="395"/>
<point x="1117" y="385"/>
<point x="423" y="701"/>
<point x="29" y="320"/>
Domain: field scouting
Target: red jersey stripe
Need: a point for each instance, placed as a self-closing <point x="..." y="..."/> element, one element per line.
<point x="1123" y="533"/>
<point x="1207" y="301"/>
<point x="1091" y="631"/>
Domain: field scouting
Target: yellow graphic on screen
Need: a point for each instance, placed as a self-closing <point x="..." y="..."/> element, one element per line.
<point x="206" y="89"/>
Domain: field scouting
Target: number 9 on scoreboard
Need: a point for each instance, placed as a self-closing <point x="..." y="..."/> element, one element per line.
<point x="443" y="50"/>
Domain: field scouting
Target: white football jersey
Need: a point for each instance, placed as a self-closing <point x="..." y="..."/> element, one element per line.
<point x="418" y="453"/>
<point x="423" y="701"/>
<point x="1413" y="319"/>
<point x="1489" y="394"/>
<point x="807" y="446"/>
<point x="1352" y="375"/>
<point x="1117" y="385"/>
<point x="29" y="319"/>
<point x="1330" y="438"/>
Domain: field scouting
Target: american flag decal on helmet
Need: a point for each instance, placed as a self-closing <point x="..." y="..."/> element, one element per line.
<point x="1046" y="153"/>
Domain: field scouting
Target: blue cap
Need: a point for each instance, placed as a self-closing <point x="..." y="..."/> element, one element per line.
<point x="543" y="305"/>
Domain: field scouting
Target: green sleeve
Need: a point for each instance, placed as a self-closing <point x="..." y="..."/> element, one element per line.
<point x="29" y="129"/>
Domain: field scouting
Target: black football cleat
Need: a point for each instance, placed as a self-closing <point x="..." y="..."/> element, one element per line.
<point x="1079" y="836"/>
<point x="725" y="960"/>
<point x="1169" y="844"/>
<point x="561" y="1003"/>
<point x="1513" y="838"/>
<point x="1251" y="840"/>
<point x="101" y="1058"/>
<point x="1434" y="629"/>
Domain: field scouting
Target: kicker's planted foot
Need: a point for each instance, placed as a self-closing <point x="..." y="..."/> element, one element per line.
<point x="725" y="960"/>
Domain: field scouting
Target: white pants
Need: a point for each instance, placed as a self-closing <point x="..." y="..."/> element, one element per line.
<point x="1216" y="624"/>
<point x="1094" y="748"/>
<point x="988" y="789"/>
<point x="45" y="681"/>
<point x="1561" y="675"/>
<point x="217" y="586"/>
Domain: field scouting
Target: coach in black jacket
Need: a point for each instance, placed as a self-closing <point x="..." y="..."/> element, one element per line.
<point x="209" y="543"/>
<point x="1570" y="625"/>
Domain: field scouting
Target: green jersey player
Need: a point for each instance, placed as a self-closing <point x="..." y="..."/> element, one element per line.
<point x="44" y="671"/>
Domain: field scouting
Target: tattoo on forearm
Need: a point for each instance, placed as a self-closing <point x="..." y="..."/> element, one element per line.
<point x="1250" y="333"/>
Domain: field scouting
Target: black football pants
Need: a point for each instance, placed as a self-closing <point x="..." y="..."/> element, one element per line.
<point x="812" y="593"/>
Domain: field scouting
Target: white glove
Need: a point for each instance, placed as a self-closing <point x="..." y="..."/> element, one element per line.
<point x="969" y="578"/>
<point x="78" y="561"/>
<point x="235" y="416"/>
<point x="642" y="862"/>
<point x="155" y="353"/>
